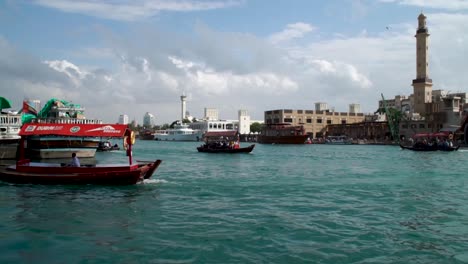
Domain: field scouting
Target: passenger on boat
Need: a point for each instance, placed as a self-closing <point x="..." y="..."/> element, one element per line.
<point x="75" y="161"/>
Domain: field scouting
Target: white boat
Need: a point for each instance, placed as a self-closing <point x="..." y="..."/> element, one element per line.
<point x="338" y="140"/>
<point x="10" y="125"/>
<point x="178" y="133"/>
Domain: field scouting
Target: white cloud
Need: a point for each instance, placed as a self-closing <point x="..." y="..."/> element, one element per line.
<point x="68" y="68"/>
<point x="439" y="4"/>
<point x="129" y="10"/>
<point x="239" y="70"/>
<point x="292" y="31"/>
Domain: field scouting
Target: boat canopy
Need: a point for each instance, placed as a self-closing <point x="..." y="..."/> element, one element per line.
<point x="229" y="133"/>
<point x="431" y="135"/>
<point x="224" y="136"/>
<point x="78" y="130"/>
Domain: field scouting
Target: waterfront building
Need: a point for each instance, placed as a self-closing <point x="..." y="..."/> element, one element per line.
<point x="213" y="125"/>
<point x="149" y="120"/>
<point x="211" y="114"/>
<point x="355" y="108"/>
<point x="244" y="122"/>
<point x="367" y="132"/>
<point x="123" y="119"/>
<point x="314" y="122"/>
<point x="321" y="106"/>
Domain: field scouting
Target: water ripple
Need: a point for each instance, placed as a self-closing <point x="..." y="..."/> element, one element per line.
<point x="280" y="204"/>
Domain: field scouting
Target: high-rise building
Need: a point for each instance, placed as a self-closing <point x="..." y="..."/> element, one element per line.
<point x="148" y="120"/>
<point x="123" y="119"/>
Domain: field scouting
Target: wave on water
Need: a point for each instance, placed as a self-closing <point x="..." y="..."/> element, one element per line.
<point x="154" y="181"/>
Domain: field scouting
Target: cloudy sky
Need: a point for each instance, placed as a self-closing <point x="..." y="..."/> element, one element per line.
<point x="134" y="56"/>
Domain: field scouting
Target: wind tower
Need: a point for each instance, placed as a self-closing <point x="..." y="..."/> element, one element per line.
<point x="422" y="85"/>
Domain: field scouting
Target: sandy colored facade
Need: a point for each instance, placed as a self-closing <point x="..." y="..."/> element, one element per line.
<point x="314" y="122"/>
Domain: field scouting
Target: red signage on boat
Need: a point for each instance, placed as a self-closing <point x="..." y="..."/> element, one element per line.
<point x="80" y="130"/>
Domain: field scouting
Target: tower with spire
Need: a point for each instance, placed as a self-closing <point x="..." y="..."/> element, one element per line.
<point x="422" y="85"/>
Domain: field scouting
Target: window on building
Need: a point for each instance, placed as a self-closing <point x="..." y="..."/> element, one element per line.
<point x="421" y="125"/>
<point x="329" y="122"/>
<point x="405" y="126"/>
<point x="319" y="121"/>
<point x="343" y="121"/>
<point x="309" y="120"/>
<point x="288" y="120"/>
<point x="299" y="111"/>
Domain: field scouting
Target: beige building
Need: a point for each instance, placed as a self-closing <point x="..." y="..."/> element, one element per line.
<point x="314" y="122"/>
<point x="211" y="114"/>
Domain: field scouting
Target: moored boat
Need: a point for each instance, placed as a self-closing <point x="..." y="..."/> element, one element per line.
<point x="146" y="135"/>
<point x="223" y="142"/>
<point x="25" y="171"/>
<point x="10" y="125"/>
<point x="107" y="146"/>
<point x="178" y="133"/>
<point x="53" y="146"/>
<point x="282" y="133"/>
<point x="338" y="140"/>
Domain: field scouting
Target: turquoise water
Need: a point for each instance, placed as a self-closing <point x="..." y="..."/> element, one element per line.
<point x="279" y="204"/>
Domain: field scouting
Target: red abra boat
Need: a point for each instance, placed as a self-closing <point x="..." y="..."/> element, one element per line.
<point x="25" y="171"/>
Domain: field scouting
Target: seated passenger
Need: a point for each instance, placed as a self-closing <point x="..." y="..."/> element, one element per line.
<point x="75" y="162"/>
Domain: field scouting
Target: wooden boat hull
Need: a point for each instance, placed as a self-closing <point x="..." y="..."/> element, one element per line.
<point x="293" y="139"/>
<point x="430" y="148"/>
<point x="226" y="150"/>
<point x="57" y="174"/>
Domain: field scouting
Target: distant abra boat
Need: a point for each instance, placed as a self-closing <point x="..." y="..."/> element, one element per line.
<point x="146" y="135"/>
<point x="282" y="133"/>
<point x="223" y="142"/>
<point x="441" y="141"/>
<point x="178" y="133"/>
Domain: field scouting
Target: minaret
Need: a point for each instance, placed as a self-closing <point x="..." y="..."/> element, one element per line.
<point x="422" y="85"/>
<point x="183" y="99"/>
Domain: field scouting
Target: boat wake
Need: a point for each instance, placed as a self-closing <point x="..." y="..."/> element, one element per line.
<point x="154" y="181"/>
